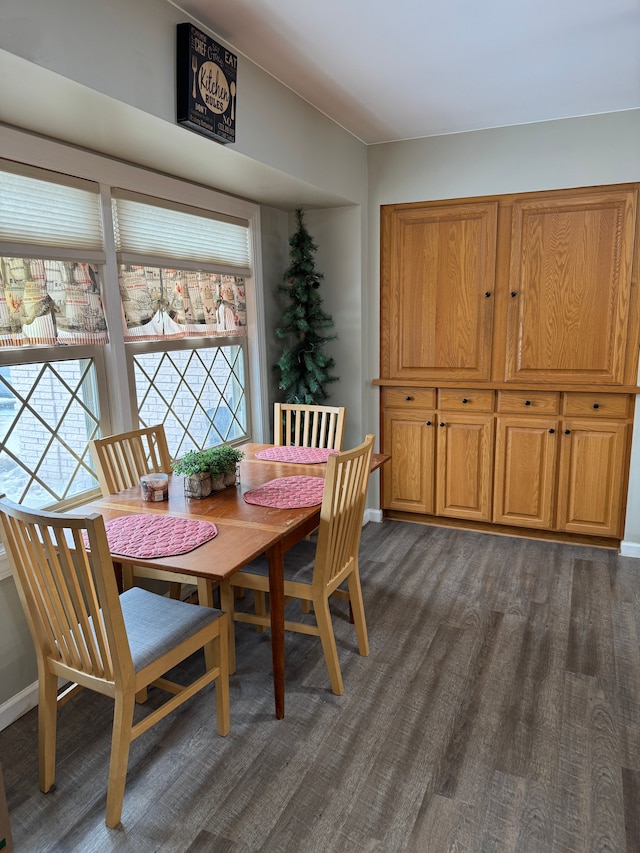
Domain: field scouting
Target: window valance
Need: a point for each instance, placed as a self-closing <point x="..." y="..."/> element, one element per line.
<point x="169" y="303"/>
<point x="50" y="302"/>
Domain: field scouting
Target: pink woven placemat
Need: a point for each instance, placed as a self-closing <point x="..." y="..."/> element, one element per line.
<point x="288" y="493"/>
<point x="148" y="536"/>
<point x="302" y="455"/>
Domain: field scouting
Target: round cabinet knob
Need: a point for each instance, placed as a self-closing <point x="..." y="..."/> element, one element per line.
<point x="567" y="432"/>
<point x="442" y="423"/>
<point x="488" y="294"/>
<point x="407" y="398"/>
<point x="464" y="400"/>
<point x="428" y="423"/>
<point x="514" y="293"/>
<point x="527" y="402"/>
<point x="551" y="431"/>
<point x="596" y="405"/>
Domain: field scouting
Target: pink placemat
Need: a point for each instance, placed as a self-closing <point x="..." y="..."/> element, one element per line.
<point x="288" y="493"/>
<point x="290" y="453"/>
<point x="148" y="536"/>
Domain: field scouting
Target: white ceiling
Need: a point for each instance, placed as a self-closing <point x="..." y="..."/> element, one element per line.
<point x="399" y="69"/>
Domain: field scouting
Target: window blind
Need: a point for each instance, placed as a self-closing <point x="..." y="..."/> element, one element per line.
<point x="149" y="232"/>
<point x="37" y="214"/>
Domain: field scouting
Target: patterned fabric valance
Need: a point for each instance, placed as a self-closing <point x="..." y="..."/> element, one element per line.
<point x="53" y="303"/>
<point x="167" y="303"/>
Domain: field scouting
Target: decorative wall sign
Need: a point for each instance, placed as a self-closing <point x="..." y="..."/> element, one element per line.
<point x="206" y="76"/>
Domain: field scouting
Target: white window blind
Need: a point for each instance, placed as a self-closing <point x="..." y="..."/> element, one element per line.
<point x="41" y="217"/>
<point x="150" y="233"/>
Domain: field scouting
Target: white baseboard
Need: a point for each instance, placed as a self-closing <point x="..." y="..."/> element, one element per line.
<point x="373" y="515"/>
<point x="18" y="705"/>
<point x="630" y="549"/>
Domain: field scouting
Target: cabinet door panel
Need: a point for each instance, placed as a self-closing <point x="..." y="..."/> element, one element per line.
<point x="464" y="466"/>
<point x="438" y="265"/>
<point x="570" y="287"/>
<point x="408" y="478"/>
<point x="591" y="477"/>
<point x="525" y="470"/>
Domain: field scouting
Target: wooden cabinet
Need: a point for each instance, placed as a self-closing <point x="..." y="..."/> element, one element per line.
<point x="563" y="473"/>
<point x="526" y="458"/>
<point x="409" y="438"/>
<point x="561" y="466"/>
<point x="570" y="287"/>
<point x="464" y="466"/>
<point x="525" y="471"/>
<point x="438" y="280"/>
<point x="441" y="460"/>
<point x="592" y="477"/>
<point x="518" y="316"/>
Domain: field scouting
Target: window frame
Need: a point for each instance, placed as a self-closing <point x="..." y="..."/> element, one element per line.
<point x="133" y="348"/>
<point x="117" y="398"/>
<point x="118" y="412"/>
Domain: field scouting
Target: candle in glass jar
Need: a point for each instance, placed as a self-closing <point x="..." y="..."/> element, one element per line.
<point x="154" y="487"/>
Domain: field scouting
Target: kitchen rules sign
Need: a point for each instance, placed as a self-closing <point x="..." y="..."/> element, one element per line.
<point x="206" y="85"/>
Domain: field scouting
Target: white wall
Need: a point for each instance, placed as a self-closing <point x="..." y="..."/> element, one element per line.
<point x="339" y="260"/>
<point x="577" y="152"/>
<point x="102" y="75"/>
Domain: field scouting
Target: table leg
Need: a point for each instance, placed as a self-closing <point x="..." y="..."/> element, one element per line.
<point x="275" y="556"/>
<point x="205" y="592"/>
<point x="205" y="599"/>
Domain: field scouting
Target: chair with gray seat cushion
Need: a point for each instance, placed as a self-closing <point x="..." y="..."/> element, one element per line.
<point x="86" y="634"/>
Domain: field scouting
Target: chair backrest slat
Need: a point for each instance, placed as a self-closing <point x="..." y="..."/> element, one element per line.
<point x="70" y="596"/>
<point x="345" y="493"/>
<point x="309" y="426"/>
<point x="122" y="459"/>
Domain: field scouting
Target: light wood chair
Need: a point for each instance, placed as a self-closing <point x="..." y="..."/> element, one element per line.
<point x="120" y="460"/>
<point x="308" y="426"/>
<point x="84" y="632"/>
<point x="336" y="562"/>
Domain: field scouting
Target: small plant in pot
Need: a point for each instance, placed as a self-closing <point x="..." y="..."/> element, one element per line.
<point x="227" y="458"/>
<point x="195" y="469"/>
<point x="208" y="470"/>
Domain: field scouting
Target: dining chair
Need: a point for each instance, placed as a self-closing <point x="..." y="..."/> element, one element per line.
<point x="308" y="426"/>
<point x="335" y="563"/>
<point x="120" y="461"/>
<point x="87" y="634"/>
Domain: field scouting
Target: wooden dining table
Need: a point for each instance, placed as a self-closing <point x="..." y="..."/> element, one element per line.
<point x="244" y="531"/>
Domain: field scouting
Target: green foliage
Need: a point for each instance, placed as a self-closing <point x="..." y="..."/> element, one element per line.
<point x="304" y="367"/>
<point x="214" y="461"/>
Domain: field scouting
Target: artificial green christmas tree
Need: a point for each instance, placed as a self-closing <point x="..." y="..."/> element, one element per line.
<point x="305" y="369"/>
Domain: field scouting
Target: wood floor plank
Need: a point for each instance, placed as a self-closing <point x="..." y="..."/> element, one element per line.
<point x="504" y="823"/>
<point x="631" y="792"/>
<point x="606" y="795"/>
<point x="591" y="638"/>
<point x="571" y="806"/>
<point x="627" y="661"/>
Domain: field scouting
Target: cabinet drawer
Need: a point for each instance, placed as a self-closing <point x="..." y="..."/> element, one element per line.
<point x="465" y="400"/>
<point x="529" y="402"/>
<point x="597" y="405"/>
<point x="410" y="398"/>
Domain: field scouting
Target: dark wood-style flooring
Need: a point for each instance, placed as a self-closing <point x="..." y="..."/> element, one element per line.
<point x="499" y="710"/>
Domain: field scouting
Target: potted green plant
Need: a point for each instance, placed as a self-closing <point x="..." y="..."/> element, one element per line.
<point x="208" y="470"/>
<point x="228" y="458"/>
<point x="195" y="469"/>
